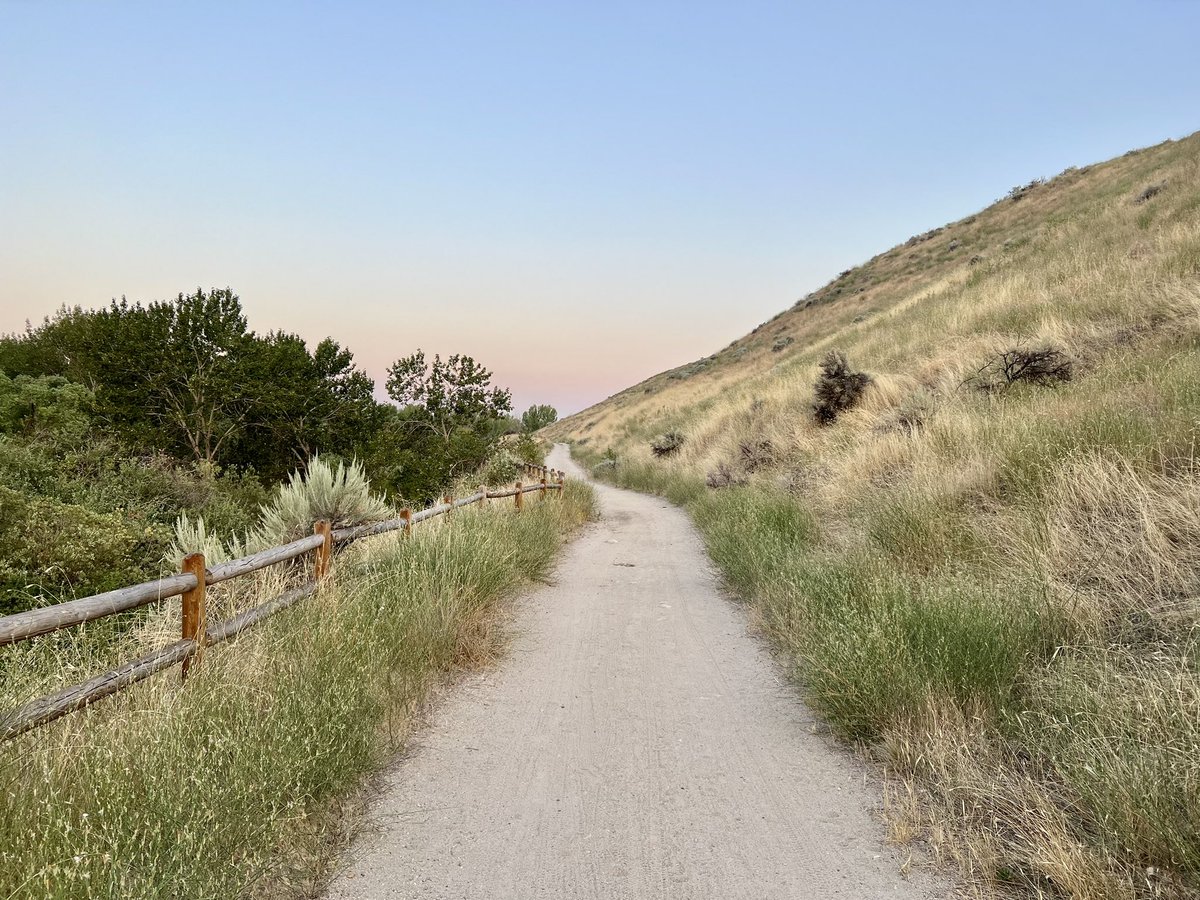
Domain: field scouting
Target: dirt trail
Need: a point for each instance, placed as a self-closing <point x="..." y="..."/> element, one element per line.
<point x="636" y="742"/>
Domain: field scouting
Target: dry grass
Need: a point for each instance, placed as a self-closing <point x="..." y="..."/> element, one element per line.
<point x="998" y="591"/>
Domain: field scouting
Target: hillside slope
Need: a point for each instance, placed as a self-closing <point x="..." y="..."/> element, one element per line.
<point x="984" y="563"/>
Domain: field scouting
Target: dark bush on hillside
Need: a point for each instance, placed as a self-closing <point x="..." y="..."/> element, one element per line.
<point x="1151" y="190"/>
<point x="756" y="455"/>
<point x="667" y="444"/>
<point x="838" y="388"/>
<point x="1022" y="189"/>
<point x="782" y="342"/>
<point x="724" y="476"/>
<point x="1043" y="365"/>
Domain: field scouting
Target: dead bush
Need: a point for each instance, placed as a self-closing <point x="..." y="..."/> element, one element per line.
<point x="1150" y="190"/>
<point x="838" y="388"/>
<point x="724" y="476"/>
<point x="667" y="444"/>
<point x="756" y="455"/>
<point x="1044" y="365"/>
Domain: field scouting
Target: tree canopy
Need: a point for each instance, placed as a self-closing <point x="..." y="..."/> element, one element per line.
<point x="538" y="416"/>
<point x="188" y="378"/>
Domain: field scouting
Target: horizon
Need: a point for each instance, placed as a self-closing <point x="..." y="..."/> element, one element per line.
<point x="578" y="199"/>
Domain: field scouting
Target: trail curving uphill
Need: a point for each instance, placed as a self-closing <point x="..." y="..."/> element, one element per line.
<point x="637" y="742"/>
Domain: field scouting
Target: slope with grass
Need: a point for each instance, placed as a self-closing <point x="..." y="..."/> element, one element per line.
<point x="981" y="560"/>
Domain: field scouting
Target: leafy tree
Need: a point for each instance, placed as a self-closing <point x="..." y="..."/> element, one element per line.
<point x="538" y="416"/>
<point x="303" y="404"/>
<point x="164" y="375"/>
<point x="46" y="404"/>
<point x="450" y="395"/>
<point x="200" y="392"/>
<point x="448" y="418"/>
<point x="187" y="377"/>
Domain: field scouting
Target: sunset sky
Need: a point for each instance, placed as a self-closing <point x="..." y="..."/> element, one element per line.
<point x="578" y="195"/>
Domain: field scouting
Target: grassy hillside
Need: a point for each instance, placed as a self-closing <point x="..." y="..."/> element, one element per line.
<point x="986" y="567"/>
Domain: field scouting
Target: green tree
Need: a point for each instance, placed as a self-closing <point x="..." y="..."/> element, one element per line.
<point x="538" y="416"/>
<point x="450" y="395"/>
<point x="187" y="377"/>
<point x="163" y="375"/>
<point x="46" y="404"/>
<point x="448" y="416"/>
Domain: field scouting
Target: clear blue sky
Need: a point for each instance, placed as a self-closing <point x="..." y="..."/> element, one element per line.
<point x="579" y="195"/>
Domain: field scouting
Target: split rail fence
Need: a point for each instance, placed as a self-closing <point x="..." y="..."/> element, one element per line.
<point x="195" y="632"/>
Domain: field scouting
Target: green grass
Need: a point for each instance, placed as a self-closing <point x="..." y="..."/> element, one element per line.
<point x="235" y="783"/>
<point x="869" y="641"/>
<point x="1121" y="733"/>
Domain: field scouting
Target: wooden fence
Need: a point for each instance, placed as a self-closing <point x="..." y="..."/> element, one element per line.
<point x="195" y="632"/>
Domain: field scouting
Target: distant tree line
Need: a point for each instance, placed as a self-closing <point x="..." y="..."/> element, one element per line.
<point x="187" y="377"/>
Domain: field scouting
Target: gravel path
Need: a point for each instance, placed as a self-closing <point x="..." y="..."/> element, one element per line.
<point x="637" y="741"/>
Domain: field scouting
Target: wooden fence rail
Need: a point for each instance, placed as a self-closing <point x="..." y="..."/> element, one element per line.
<point x="196" y="633"/>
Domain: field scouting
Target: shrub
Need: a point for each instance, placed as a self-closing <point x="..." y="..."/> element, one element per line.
<point x="911" y="415"/>
<point x="724" y="476"/>
<point x="342" y="496"/>
<point x="529" y="451"/>
<point x="1044" y="365"/>
<point x="667" y="444"/>
<point x="605" y="468"/>
<point x="195" y="535"/>
<point x="64" y="550"/>
<point x="502" y="468"/>
<point x="1022" y="189"/>
<point x="1151" y="190"/>
<point x="755" y="455"/>
<point x="838" y="388"/>
<point x="782" y="342"/>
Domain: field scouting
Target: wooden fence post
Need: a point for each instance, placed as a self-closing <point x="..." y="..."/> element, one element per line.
<point x="519" y="498"/>
<point x="406" y="515"/>
<point x="324" y="552"/>
<point x="194" y="612"/>
<point x="542" y="489"/>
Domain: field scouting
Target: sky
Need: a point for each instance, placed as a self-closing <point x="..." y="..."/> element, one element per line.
<point x="579" y="195"/>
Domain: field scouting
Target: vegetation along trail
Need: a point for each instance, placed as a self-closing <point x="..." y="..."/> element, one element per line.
<point x="637" y="742"/>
